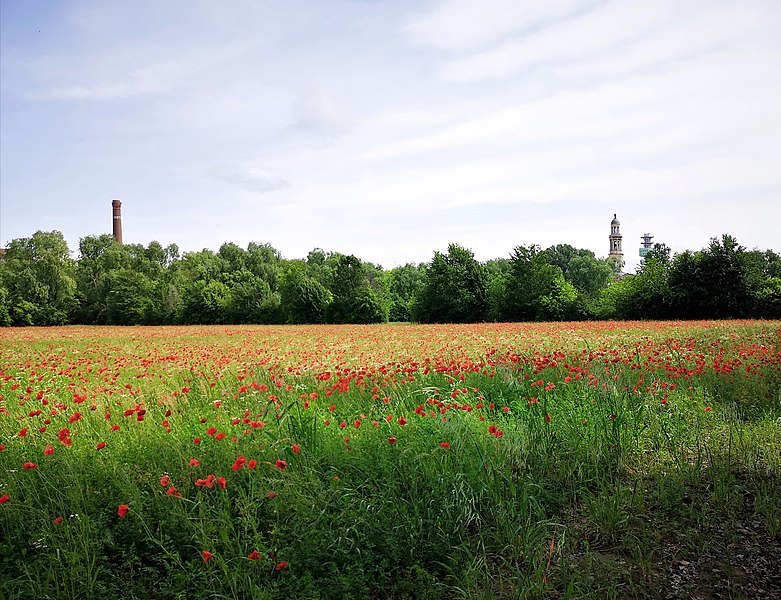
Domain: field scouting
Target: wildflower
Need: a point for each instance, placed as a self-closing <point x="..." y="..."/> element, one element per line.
<point x="58" y="520"/>
<point x="165" y="480"/>
<point x="100" y="446"/>
<point x="252" y="464"/>
<point x="29" y="465"/>
<point x="392" y="440"/>
<point x="708" y="409"/>
<point x="206" y="555"/>
<point x="444" y="445"/>
<point x="254" y="555"/>
<point x="547" y="418"/>
<point x="196" y="440"/>
<point x="4" y="498"/>
<point x="194" y="462"/>
<point x="122" y="510"/>
<point x="271" y="495"/>
<point x="281" y="464"/>
<point x="281" y="565"/>
<point x="296" y="449"/>
<point x="49" y="450"/>
<point x="222" y="483"/>
<point x="402" y="421"/>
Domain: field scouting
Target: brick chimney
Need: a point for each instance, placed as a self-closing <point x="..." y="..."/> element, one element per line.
<point x="116" y="207"/>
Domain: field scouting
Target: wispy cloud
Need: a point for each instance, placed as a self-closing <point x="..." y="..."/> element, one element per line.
<point x="463" y="25"/>
<point x="252" y="179"/>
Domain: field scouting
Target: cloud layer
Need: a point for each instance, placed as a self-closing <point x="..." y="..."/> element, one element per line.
<point x="390" y="129"/>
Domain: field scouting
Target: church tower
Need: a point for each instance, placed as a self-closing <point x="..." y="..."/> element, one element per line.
<point x="615" y="241"/>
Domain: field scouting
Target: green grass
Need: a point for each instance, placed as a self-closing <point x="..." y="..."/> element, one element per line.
<point x="593" y="487"/>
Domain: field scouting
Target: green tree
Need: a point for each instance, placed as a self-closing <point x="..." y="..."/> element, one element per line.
<point x="37" y="274"/>
<point x="354" y="299"/>
<point x="252" y="300"/>
<point x="531" y="279"/>
<point x="404" y="285"/>
<point x="455" y="289"/>
<point x="303" y="298"/>
<point x="131" y="298"/>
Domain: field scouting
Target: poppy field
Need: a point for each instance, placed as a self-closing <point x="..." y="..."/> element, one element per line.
<point x="566" y="460"/>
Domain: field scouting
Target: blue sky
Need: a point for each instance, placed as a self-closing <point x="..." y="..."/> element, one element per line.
<point x="389" y="129"/>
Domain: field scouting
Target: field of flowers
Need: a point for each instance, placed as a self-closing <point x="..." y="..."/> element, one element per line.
<point x="588" y="460"/>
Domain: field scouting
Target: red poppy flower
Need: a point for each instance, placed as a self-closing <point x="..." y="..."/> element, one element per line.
<point x="252" y="464"/>
<point x="58" y="520"/>
<point x="392" y="440"/>
<point x="49" y="450"/>
<point x="254" y="555"/>
<point x="29" y="465"/>
<point x="296" y="449"/>
<point x="271" y="495"/>
<point x="222" y="483"/>
<point x="194" y="462"/>
<point x="206" y="555"/>
<point x="547" y="418"/>
<point x="281" y="565"/>
<point x="402" y="421"/>
<point x="281" y="464"/>
<point x="165" y="480"/>
<point x="444" y="445"/>
<point x="4" y="498"/>
<point x="100" y="446"/>
<point x="122" y="510"/>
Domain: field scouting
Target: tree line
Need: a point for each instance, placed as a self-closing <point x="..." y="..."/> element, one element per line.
<point x="109" y="283"/>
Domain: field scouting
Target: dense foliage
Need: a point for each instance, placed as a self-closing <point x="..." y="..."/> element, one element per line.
<point x="40" y="284"/>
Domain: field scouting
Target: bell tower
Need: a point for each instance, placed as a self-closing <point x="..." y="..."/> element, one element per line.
<point x="615" y="241"/>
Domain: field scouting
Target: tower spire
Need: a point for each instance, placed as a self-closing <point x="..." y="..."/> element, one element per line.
<point x="615" y="241"/>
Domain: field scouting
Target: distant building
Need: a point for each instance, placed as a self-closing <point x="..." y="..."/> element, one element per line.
<point x="615" y="241"/>
<point x="646" y="237"/>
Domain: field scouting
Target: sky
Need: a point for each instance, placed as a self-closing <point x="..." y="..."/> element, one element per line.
<point x="389" y="129"/>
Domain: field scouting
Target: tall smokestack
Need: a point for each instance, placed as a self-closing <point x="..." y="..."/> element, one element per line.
<point x="116" y="207"/>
